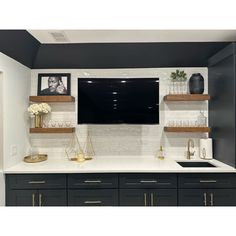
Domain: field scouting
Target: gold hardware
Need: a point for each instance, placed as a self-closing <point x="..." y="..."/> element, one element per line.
<point x="33" y="199"/>
<point x="152" y="200"/>
<point x="208" y="181"/>
<point x="145" y="199"/>
<point x="40" y="199"/>
<point x="93" y="202"/>
<point x="189" y="154"/>
<point x="92" y="181"/>
<point x="205" y="199"/>
<point x="212" y="199"/>
<point x="148" y="181"/>
<point x="37" y="182"/>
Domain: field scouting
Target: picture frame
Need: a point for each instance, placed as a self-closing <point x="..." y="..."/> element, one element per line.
<point x="54" y="84"/>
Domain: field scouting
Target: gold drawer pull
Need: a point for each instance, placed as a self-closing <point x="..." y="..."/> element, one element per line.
<point x="93" y="202"/>
<point x="212" y="199"/>
<point x="148" y="181"/>
<point x="152" y="199"/>
<point x="33" y="199"/>
<point x="145" y="199"/>
<point x="37" y="182"/>
<point x="92" y="181"/>
<point x="205" y="199"/>
<point x="208" y="181"/>
<point x="40" y="199"/>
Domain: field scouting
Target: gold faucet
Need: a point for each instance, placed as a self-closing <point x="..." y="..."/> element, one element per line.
<point x="189" y="154"/>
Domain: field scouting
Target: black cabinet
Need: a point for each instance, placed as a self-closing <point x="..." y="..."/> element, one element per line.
<point x="87" y="181"/>
<point x="93" y="190"/>
<point x="134" y="189"/>
<point x="207" y="180"/>
<point x="148" y="180"/>
<point x="148" y="189"/>
<point x="36" y="190"/>
<point x="91" y="197"/>
<point x="207" y="197"/>
<point x="148" y="197"/>
<point x="22" y="198"/>
<point x="207" y="190"/>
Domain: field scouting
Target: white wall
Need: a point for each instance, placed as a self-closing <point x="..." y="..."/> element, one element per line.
<point x="16" y="87"/>
<point x="123" y="140"/>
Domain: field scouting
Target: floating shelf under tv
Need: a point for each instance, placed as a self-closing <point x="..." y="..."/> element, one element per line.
<point x="188" y="129"/>
<point x="187" y="97"/>
<point x="52" y="130"/>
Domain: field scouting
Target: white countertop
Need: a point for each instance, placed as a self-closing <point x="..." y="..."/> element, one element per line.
<point x="115" y="165"/>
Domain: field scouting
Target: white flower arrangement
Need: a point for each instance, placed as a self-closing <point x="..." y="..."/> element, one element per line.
<point x="36" y="109"/>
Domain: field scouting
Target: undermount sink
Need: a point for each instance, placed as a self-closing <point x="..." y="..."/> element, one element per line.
<point x="194" y="164"/>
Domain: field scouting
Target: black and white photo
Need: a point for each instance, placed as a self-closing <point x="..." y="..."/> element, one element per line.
<point x="53" y="84"/>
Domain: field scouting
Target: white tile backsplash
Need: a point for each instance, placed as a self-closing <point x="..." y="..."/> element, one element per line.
<point x="123" y="140"/>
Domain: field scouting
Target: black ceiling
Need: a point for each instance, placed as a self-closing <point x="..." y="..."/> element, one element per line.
<point x="23" y="47"/>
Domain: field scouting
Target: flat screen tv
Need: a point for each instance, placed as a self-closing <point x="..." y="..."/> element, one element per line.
<point x="118" y="101"/>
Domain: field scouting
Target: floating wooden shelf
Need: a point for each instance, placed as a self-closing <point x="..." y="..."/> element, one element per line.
<point x="52" y="130"/>
<point x="187" y="129"/>
<point x="52" y="98"/>
<point x="187" y="97"/>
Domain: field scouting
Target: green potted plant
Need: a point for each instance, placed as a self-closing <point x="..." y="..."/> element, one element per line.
<point x="178" y="79"/>
<point x="178" y="76"/>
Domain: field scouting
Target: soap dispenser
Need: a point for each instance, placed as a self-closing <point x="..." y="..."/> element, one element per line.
<point x="161" y="154"/>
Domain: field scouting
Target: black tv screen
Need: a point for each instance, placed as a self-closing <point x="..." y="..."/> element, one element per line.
<point x="118" y="101"/>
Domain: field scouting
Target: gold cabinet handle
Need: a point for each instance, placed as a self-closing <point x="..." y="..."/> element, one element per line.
<point x="152" y="199"/>
<point x="148" y="181"/>
<point x="212" y="199"/>
<point x="145" y="199"/>
<point x="40" y="199"/>
<point x="208" y="181"/>
<point x="92" y="181"/>
<point x="205" y="199"/>
<point x="33" y="199"/>
<point x="37" y="182"/>
<point x="93" y="202"/>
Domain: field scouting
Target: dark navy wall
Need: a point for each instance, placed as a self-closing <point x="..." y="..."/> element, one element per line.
<point x="221" y="87"/>
<point x="19" y="45"/>
<point x="125" y="55"/>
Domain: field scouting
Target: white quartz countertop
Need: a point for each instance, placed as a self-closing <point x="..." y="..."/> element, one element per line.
<point x="115" y="165"/>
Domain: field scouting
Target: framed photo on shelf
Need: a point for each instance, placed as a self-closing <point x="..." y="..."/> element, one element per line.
<point x="53" y="84"/>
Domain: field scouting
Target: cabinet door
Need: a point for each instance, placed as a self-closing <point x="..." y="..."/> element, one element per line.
<point x="93" y="197"/>
<point x="134" y="197"/>
<point x="193" y="197"/>
<point x="222" y="197"/>
<point x="52" y="197"/>
<point x="22" y="198"/>
<point x="163" y="197"/>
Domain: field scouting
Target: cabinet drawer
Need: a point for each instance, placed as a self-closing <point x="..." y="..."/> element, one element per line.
<point x="36" y="181"/>
<point x="148" y="181"/>
<point x="93" y="181"/>
<point x="93" y="197"/>
<point x="207" y="180"/>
